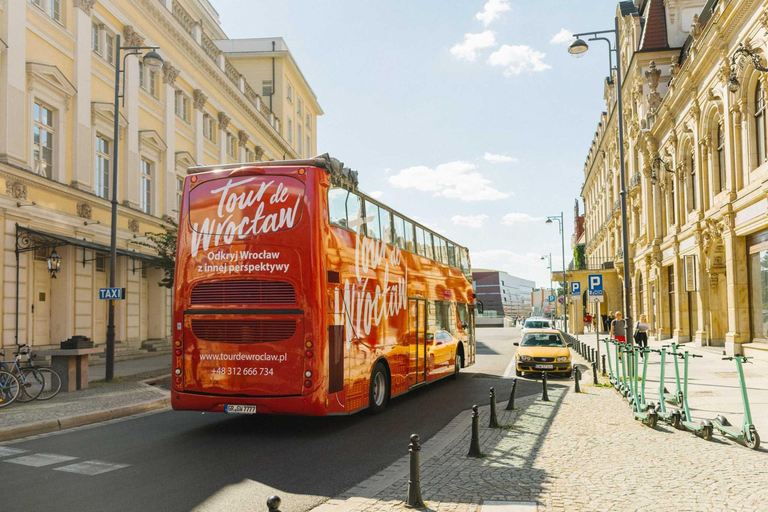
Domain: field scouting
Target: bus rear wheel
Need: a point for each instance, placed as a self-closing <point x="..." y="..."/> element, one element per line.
<point x="378" y="394"/>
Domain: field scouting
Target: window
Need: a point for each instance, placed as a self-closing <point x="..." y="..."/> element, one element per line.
<point x="290" y="130"/>
<point x="181" y="106"/>
<point x="152" y="83"/>
<point x="55" y="10"/>
<point x="101" y="167"/>
<point x="250" y="156"/>
<point x="399" y="233"/>
<point x="337" y="207"/>
<point x="451" y="254"/>
<point x="101" y="262"/>
<point x="231" y="145"/>
<point x="694" y="186"/>
<point x="95" y="39"/>
<point x="409" y="245"/>
<point x="179" y="192"/>
<point x="720" y="158"/>
<point x="309" y="122"/>
<point x="641" y="294"/>
<point x="758" y="287"/>
<point x="420" y="248"/>
<point x="760" y="123"/>
<point x="289" y="92"/>
<point x="43" y="140"/>
<point x="209" y="128"/>
<point x="110" y="48"/>
<point x="266" y="87"/>
<point x="300" y="109"/>
<point x="146" y="186"/>
<point x="299" y="137"/>
<point x="307" y="147"/>
<point x="38" y="3"/>
<point x="374" y="227"/>
<point x="465" y="266"/>
<point x="440" y="250"/>
<point x="142" y="82"/>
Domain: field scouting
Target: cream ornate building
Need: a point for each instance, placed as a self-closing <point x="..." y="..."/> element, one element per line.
<point x="696" y="170"/>
<point x="211" y="103"/>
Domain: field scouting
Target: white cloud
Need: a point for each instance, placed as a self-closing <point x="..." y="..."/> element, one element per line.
<point x="514" y="218"/>
<point x="376" y="194"/>
<point x="518" y="58"/>
<point x="565" y="36"/>
<point x="498" y="159"/>
<point x="471" y="221"/>
<point x="455" y="180"/>
<point x="467" y="50"/>
<point x="492" y="10"/>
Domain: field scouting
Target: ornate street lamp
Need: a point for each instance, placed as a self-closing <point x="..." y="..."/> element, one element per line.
<point x="153" y="62"/>
<point x="656" y="165"/>
<point x="54" y="263"/>
<point x="741" y="50"/>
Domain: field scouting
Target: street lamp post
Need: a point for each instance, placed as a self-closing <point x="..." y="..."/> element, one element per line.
<point x="578" y="48"/>
<point x="549" y="256"/>
<point x="559" y="219"/>
<point x="153" y="62"/>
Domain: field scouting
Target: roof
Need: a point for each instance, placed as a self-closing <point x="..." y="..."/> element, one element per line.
<point x="655" y="31"/>
<point x="627" y="8"/>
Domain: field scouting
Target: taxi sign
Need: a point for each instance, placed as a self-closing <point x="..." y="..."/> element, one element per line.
<point x="111" y="293"/>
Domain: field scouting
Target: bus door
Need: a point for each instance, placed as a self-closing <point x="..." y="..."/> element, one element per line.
<point x="417" y="339"/>
<point x="471" y="337"/>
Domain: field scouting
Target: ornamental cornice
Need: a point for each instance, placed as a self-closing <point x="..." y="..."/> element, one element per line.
<point x="170" y="27"/>
<point x="85" y="5"/>
<point x="132" y="38"/>
<point x="199" y="99"/>
<point x="170" y="73"/>
<point x="224" y="120"/>
<point x="242" y="137"/>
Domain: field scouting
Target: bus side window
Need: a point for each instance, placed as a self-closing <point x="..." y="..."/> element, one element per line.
<point x="440" y="254"/>
<point x="355" y="214"/>
<point x="461" y="309"/>
<point x="420" y="241"/>
<point x="451" y="254"/>
<point x="465" y="267"/>
<point x="385" y="220"/>
<point x="457" y="255"/>
<point x="428" y="245"/>
<point x="399" y="232"/>
<point x="372" y="213"/>
<point x="409" y="245"/>
<point x="337" y="210"/>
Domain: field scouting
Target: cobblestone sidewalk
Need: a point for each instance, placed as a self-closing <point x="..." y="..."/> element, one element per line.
<point x="576" y="452"/>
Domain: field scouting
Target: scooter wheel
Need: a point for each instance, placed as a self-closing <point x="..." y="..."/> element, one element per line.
<point x="754" y="444"/>
<point x="677" y="422"/>
<point x="706" y="432"/>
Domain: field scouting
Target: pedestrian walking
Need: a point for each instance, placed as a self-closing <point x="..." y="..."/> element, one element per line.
<point x="619" y="328"/>
<point x="641" y="332"/>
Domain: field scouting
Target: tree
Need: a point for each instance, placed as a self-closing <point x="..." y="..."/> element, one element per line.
<point x="164" y="244"/>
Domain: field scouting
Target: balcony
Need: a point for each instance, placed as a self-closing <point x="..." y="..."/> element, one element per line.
<point x="210" y="49"/>
<point x="594" y="263"/>
<point x="634" y="181"/>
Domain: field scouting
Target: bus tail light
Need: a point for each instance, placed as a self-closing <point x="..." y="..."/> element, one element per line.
<point x="307" y="383"/>
<point x="309" y="344"/>
<point x="178" y="380"/>
<point x="177" y="351"/>
<point x="177" y="371"/>
<point x="309" y="354"/>
<point x="308" y="374"/>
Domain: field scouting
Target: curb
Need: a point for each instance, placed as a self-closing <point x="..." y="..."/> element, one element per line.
<point x="47" y="426"/>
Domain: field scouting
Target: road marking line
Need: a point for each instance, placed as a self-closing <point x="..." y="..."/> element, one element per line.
<point x="510" y="368"/>
<point x="91" y="467"/>
<point x="38" y="460"/>
<point x="509" y="506"/>
<point x="5" y="452"/>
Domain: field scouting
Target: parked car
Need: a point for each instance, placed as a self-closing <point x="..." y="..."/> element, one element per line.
<point x="543" y="350"/>
<point x="536" y="323"/>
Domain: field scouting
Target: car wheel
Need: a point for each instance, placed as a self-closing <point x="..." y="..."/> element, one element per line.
<point x="457" y="363"/>
<point x="378" y="394"/>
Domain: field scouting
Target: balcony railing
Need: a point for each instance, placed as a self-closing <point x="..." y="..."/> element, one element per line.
<point x="617" y="205"/>
<point x="594" y="263"/>
<point x="634" y="181"/>
<point x="212" y="51"/>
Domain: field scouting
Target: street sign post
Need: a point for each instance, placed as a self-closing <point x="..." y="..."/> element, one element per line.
<point x="595" y="292"/>
<point x="551" y="298"/>
<point x="111" y="293"/>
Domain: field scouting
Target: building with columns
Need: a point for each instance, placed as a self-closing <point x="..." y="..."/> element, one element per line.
<point x="208" y="105"/>
<point x="696" y="170"/>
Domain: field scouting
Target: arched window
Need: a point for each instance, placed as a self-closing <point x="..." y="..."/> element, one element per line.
<point x="720" y="158"/>
<point x="760" y="123"/>
<point x="693" y="180"/>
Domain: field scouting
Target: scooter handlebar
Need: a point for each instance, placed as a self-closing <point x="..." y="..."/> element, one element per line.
<point x="696" y="355"/>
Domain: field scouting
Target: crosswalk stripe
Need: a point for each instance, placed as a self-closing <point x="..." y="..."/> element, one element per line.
<point x="37" y="460"/>
<point x="91" y="467"/>
<point x="5" y="452"/>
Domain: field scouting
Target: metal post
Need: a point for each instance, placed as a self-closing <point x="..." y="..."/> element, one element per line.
<point x="413" y="497"/>
<point x="594" y="373"/>
<point x="593" y="354"/>
<point x="474" y="445"/>
<point x="576" y="379"/>
<point x="511" y="403"/>
<point x="604" y="373"/>
<point x="110" y="363"/>
<point x="544" y="395"/>
<point x="493" y="422"/>
<point x="273" y="502"/>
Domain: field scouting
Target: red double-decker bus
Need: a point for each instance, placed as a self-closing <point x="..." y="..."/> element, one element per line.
<point x="295" y="293"/>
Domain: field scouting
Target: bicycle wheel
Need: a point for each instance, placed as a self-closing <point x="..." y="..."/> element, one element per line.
<point x="9" y="388"/>
<point x="32" y="382"/>
<point x="51" y="383"/>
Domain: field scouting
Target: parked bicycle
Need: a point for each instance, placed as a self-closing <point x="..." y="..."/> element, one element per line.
<point x="40" y="383"/>
<point x="9" y="388"/>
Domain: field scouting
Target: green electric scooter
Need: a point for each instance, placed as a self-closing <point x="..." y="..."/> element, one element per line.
<point x="705" y="428"/>
<point x="677" y="397"/>
<point x="640" y="409"/>
<point x="611" y="377"/>
<point x="672" y="416"/>
<point x="623" y="380"/>
<point x="748" y="433"/>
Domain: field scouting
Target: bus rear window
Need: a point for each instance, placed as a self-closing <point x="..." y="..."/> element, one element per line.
<point x="245" y="205"/>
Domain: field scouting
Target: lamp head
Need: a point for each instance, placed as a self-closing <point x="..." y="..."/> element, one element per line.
<point x="548" y="221"/>
<point x="578" y="48"/>
<point x="153" y="61"/>
<point x="733" y="83"/>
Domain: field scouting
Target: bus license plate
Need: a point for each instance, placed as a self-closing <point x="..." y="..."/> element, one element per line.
<point x="545" y="366"/>
<point x="240" y="409"/>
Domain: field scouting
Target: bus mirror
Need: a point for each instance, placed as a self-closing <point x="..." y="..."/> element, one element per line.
<point x="479" y="307"/>
<point x="516" y="344"/>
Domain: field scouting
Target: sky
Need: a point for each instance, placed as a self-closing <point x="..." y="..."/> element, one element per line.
<point x="468" y="116"/>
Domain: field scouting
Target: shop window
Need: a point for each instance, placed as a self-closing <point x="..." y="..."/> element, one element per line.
<point x="758" y="283"/>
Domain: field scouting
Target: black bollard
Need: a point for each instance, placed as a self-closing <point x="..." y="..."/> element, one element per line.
<point x="544" y="395"/>
<point x="604" y="372"/>
<point x="594" y="373"/>
<point x="273" y="503"/>
<point x="474" y="445"/>
<point x="594" y="355"/>
<point x="413" y="498"/>
<point x="511" y="403"/>
<point x="576" y="379"/>
<point x="493" y="422"/>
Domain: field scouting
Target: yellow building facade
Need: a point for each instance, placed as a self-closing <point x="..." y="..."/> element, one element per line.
<point x="57" y="86"/>
<point x="696" y="171"/>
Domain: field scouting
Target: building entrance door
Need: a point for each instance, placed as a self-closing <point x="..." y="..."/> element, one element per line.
<point x="143" y="305"/>
<point x="41" y="305"/>
<point x="417" y="328"/>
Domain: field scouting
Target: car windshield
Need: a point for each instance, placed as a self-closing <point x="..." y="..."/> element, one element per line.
<point x="536" y="324"/>
<point x="543" y="340"/>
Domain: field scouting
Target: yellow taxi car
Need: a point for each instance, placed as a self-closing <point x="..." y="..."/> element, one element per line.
<point x="543" y="350"/>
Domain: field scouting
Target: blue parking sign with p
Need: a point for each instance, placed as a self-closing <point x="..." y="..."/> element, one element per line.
<point x="576" y="289"/>
<point x="595" y="284"/>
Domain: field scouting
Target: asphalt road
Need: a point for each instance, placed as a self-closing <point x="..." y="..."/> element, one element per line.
<point x="179" y="461"/>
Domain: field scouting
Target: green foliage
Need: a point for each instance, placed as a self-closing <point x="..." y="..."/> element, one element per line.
<point x="579" y="260"/>
<point x="164" y="244"/>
